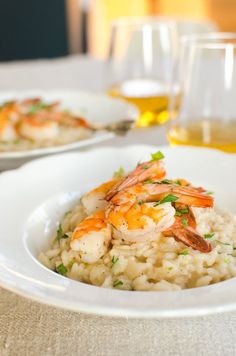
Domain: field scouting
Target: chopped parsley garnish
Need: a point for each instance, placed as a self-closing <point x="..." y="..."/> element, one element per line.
<point x="168" y="199"/>
<point x="169" y="268"/>
<point x="149" y="181"/>
<point x="120" y="173"/>
<point x="16" y="142"/>
<point x="36" y="107"/>
<point x="157" y="156"/>
<point x="184" y="222"/>
<point x="61" y="269"/>
<point x="67" y="213"/>
<point x="209" y="236"/>
<point x="180" y="212"/>
<point x="117" y="283"/>
<point x="183" y="253"/>
<point x="209" y="192"/>
<point x="146" y="167"/>
<point x="178" y="182"/>
<point x="114" y="260"/>
<point x="166" y="181"/>
<point x="223" y="243"/>
<point x="140" y="202"/>
<point x="70" y="264"/>
<point x="61" y="234"/>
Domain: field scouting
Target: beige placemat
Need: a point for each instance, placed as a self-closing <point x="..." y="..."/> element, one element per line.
<point x="29" y="328"/>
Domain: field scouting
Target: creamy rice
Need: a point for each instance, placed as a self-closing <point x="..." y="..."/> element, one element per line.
<point x="160" y="265"/>
<point x="66" y="135"/>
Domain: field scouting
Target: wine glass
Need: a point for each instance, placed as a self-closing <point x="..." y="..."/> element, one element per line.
<point x="140" y="66"/>
<point x="204" y="112"/>
<point x="141" y="57"/>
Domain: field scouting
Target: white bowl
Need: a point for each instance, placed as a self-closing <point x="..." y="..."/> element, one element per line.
<point x="35" y="197"/>
<point x="96" y="108"/>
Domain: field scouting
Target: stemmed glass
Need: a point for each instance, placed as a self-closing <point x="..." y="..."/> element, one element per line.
<point x="204" y="111"/>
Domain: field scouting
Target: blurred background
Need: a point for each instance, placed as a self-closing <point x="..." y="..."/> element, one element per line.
<point x="54" y="28"/>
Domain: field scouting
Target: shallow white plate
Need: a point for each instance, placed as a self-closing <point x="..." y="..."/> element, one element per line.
<point x="35" y="197"/>
<point x="96" y="108"/>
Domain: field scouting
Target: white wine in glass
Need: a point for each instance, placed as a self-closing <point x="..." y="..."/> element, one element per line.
<point x="204" y="114"/>
<point x="141" y="60"/>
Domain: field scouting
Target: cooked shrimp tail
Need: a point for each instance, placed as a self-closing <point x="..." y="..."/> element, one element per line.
<point x="192" y="239"/>
<point x="193" y="197"/>
<point x="184" y="229"/>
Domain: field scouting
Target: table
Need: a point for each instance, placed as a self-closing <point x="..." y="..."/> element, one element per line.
<point x="29" y="328"/>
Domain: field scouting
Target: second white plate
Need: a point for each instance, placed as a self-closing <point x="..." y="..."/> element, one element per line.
<point x="96" y="108"/>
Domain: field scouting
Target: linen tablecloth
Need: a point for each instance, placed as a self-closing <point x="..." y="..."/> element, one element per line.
<point x="29" y="328"/>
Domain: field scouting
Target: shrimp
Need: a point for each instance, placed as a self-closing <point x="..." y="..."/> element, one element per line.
<point x="7" y="130"/>
<point x="144" y="171"/>
<point x="134" y="216"/>
<point x="184" y="230"/>
<point x="152" y="192"/>
<point x="34" y="128"/>
<point x="134" y="219"/>
<point x="91" y="237"/>
<point x="94" y="200"/>
<point x="97" y="198"/>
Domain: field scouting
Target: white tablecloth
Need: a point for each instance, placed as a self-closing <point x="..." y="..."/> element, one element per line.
<point x="29" y="328"/>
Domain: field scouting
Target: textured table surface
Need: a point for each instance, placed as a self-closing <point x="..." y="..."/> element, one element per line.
<point x="29" y="328"/>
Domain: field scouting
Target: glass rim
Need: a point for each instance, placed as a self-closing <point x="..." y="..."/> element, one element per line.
<point x="211" y="40"/>
<point x="155" y="21"/>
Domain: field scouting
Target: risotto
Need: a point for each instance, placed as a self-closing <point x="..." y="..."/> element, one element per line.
<point x="167" y="236"/>
<point x="162" y="265"/>
<point x="32" y="123"/>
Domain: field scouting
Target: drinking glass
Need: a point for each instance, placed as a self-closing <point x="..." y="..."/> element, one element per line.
<point x="140" y="66"/>
<point x="204" y="112"/>
<point x="141" y="57"/>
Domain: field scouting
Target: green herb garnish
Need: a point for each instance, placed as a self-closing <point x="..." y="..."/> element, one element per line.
<point x="178" y="182"/>
<point x="166" y="181"/>
<point x="209" y="192"/>
<point x="140" y="202"/>
<point x="146" y="167"/>
<point x="70" y="264"/>
<point x="169" y="268"/>
<point x="120" y="173"/>
<point x="114" y="260"/>
<point x="223" y="243"/>
<point x="183" y="253"/>
<point x="180" y="212"/>
<point x="157" y="156"/>
<point x="168" y="199"/>
<point x="184" y="222"/>
<point x="61" y="269"/>
<point x="67" y="213"/>
<point x="149" y="181"/>
<point x="16" y="142"/>
<point x="209" y="236"/>
<point x="61" y="234"/>
<point x="36" y="107"/>
<point x="117" y="283"/>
